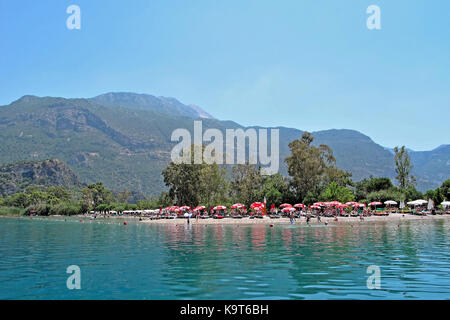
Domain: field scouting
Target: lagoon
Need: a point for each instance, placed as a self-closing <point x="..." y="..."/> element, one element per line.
<point x="179" y="261"/>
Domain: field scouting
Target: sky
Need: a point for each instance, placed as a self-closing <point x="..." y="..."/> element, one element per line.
<point x="311" y="65"/>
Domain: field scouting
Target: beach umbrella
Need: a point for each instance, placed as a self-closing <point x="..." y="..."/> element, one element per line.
<point x="185" y="208"/>
<point x="420" y="201"/>
<point x="390" y="202"/>
<point x="318" y="204"/>
<point x="288" y="209"/>
<point x="351" y="203"/>
<point x="342" y="206"/>
<point x="199" y="208"/>
<point x="237" y="206"/>
<point x="219" y="208"/>
<point x="358" y="205"/>
<point x="445" y="204"/>
<point x="335" y="203"/>
<point x="285" y="205"/>
<point x="174" y="208"/>
<point x="299" y="205"/>
<point x="257" y="205"/>
<point x="314" y="206"/>
<point x="375" y="203"/>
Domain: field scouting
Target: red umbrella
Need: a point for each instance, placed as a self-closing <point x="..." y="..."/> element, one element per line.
<point x="174" y="209"/>
<point x="219" y="208"/>
<point x="318" y="204"/>
<point x="375" y="203"/>
<point x="359" y="205"/>
<point x="315" y="206"/>
<point x="257" y="205"/>
<point x="185" y="208"/>
<point x="299" y="205"/>
<point x="199" y="208"/>
<point x="342" y="206"/>
<point x="288" y="209"/>
<point x="351" y="203"/>
<point x="335" y="203"/>
<point x="237" y="205"/>
<point x="285" y="205"/>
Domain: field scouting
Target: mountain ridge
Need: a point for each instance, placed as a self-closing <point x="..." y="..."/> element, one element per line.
<point x="127" y="146"/>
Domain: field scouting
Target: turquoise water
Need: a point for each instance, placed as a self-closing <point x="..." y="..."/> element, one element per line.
<point x="141" y="261"/>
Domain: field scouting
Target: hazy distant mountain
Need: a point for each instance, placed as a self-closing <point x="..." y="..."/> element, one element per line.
<point x="148" y="102"/>
<point x="123" y="139"/>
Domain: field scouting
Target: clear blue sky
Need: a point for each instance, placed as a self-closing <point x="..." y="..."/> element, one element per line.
<point x="312" y="65"/>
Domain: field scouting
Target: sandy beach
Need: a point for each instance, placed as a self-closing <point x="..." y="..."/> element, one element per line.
<point x="324" y="220"/>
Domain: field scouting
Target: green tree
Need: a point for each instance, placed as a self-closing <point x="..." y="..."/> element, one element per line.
<point x="312" y="168"/>
<point x="124" y="196"/>
<point x="214" y="187"/>
<point x="403" y="168"/>
<point x="366" y="186"/>
<point x="96" y="194"/>
<point x="336" y="192"/>
<point x="246" y="184"/>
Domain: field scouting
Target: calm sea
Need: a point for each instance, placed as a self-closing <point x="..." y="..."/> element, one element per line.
<point x="141" y="261"/>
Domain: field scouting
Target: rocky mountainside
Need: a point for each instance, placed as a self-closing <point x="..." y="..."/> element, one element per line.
<point x="18" y="176"/>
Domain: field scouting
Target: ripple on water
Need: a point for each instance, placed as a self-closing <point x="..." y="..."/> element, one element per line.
<point x="142" y="261"/>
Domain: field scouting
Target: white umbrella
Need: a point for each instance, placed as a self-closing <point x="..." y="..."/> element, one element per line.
<point x="390" y="202"/>
<point x="420" y="201"/>
<point x="446" y="203"/>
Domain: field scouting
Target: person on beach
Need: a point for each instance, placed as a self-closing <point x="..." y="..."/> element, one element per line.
<point x="291" y="217"/>
<point x="308" y="217"/>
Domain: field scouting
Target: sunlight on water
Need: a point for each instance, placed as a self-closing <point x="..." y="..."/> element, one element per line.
<point x="141" y="261"/>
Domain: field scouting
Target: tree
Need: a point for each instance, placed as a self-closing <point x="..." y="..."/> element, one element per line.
<point x="124" y="196"/>
<point x="403" y="168"/>
<point x="275" y="188"/>
<point x="366" y="186"/>
<point x="336" y="192"/>
<point x="445" y="189"/>
<point x="247" y="182"/>
<point x="312" y="168"/>
<point x="214" y="187"/>
<point x="96" y="194"/>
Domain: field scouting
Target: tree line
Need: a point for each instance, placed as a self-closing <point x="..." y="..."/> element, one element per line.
<point x="313" y="176"/>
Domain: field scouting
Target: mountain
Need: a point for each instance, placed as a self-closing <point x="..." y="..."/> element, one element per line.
<point x="431" y="166"/>
<point x="17" y="177"/>
<point x="148" y="102"/>
<point x="123" y="140"/>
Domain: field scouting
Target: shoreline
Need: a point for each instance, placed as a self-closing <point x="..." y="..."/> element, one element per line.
<point x="300" y="221"/>
<point x="247" y="221"/>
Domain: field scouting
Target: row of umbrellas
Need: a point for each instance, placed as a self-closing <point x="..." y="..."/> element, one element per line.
<point x="286" y="207"/>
